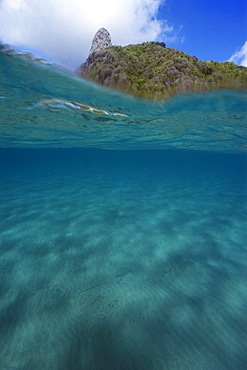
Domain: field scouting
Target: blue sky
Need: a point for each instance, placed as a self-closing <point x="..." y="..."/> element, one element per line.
<point x="62" y="31"/>
<point x="212" y="29"/>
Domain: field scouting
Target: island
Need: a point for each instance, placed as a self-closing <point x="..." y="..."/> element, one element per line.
<point x="153" y="71"/>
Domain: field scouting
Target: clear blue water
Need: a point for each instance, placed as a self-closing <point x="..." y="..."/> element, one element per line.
<point x="122" y="238"/>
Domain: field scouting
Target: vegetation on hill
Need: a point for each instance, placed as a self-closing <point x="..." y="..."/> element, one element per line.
<point x="152" y="71"/>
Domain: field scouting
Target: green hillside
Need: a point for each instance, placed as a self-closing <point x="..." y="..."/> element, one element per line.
<point x="152" y="71"/>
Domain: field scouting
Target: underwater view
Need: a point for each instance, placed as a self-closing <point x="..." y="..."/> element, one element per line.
<point x="123" y="233"/>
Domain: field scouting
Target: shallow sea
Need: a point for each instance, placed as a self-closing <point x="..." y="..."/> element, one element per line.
<point x="123" y="229"/>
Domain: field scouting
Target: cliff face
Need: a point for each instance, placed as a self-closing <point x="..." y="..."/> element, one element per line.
<point x="101" y="40"/>
<point x="152" y="71"/>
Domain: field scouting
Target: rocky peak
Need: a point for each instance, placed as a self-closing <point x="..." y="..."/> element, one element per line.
<point x="101" y="40"/>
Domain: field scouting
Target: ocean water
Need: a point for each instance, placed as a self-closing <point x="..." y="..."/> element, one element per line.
<point x="123" y="230"/>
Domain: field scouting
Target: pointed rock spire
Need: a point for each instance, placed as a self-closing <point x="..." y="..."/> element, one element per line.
<point x="101" y="40"/>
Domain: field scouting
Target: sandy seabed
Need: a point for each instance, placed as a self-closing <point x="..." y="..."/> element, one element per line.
<point x="122" y="270"/>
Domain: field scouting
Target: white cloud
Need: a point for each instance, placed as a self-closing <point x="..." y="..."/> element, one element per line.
<point x="63" y="30"/>
<point x="240" y="57"/>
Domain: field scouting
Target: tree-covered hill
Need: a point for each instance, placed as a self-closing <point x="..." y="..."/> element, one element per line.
<point x="152" y="71"/>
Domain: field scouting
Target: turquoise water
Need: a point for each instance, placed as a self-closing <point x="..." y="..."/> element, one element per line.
<point x="123" y="229"/>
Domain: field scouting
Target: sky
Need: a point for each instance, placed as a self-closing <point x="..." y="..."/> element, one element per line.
<point x="62" y="31"/>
